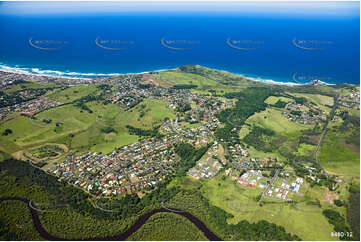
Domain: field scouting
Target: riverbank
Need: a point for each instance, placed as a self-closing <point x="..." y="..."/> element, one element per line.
<point x="141" y="220"/>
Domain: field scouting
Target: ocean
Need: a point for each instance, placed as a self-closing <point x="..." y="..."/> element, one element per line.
<point x="279" y="43"/>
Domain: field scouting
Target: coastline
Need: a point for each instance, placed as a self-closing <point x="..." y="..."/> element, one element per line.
<point x="67" y="75"/>
<point x="91" y="76"/>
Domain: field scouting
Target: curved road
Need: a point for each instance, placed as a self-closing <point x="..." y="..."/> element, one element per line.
<point x="141" y="220"/>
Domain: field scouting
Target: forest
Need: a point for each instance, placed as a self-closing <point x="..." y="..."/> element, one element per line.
<point x="338" y="222"/>
<point x="248" y="102"/>
<point x="353" y="210"/>
<point x="256" y="138"/>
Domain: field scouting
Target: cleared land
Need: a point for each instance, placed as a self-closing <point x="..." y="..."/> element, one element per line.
<point x="81" y="130"/>
<point x="324" y="102"/>
<point x="274" y="99"/>
<point x="30" y="86"/>
<point x="227" y="195"/>
<point x="273" y="119"/>
<point x="72" y="93"/>
<point x="335" y="157"/>
<point x="169" y="79"/>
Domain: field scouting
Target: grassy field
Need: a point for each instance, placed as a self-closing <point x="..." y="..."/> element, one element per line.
<point x="273" y="119"/>
<point x="253" y="153"/>
<point x="31" y="86"/>
<point x="320" y="100"/>
<point x="335" y="157"/>
<point x="111" y="115"/>
<point x="72" y="93"/>
<point x="244" y="131"/>
<point x="274" y="99"/>
<point x="353" y="112"/>
<point x="86" y="128"/>
<point x="185" y="182"/>
<point x="155" y="112"/>
<point x="305" y="149"/>
<point x="227" y="195"/>
<point x="27" y="132"/>
<point x="166" y="226"/>
<point x="169" y="79"/>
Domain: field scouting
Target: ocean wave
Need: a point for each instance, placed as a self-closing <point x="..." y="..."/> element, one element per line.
<point x="66" y="74"/>
<point x="273" y="82"/>
<point x="71" y="74"/>
<point x="270" y="81"/>
<point x="53" y="73"/>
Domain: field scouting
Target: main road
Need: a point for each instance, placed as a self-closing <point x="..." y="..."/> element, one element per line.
<point x="271" y="182"/>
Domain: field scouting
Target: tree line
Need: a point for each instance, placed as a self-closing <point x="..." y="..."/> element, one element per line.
<point x="154" y="132"/>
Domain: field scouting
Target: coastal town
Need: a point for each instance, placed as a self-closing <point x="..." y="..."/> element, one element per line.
<point x="141" y="166"/>
<point x="9" y="79"/>
<point x="29" y="108"/>
<point x="134" y="168"/>
<point x="352" y="100"/>
<point x="306" y="113"/>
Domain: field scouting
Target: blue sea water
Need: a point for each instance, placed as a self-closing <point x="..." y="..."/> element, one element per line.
<point x="281" y="43"/>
